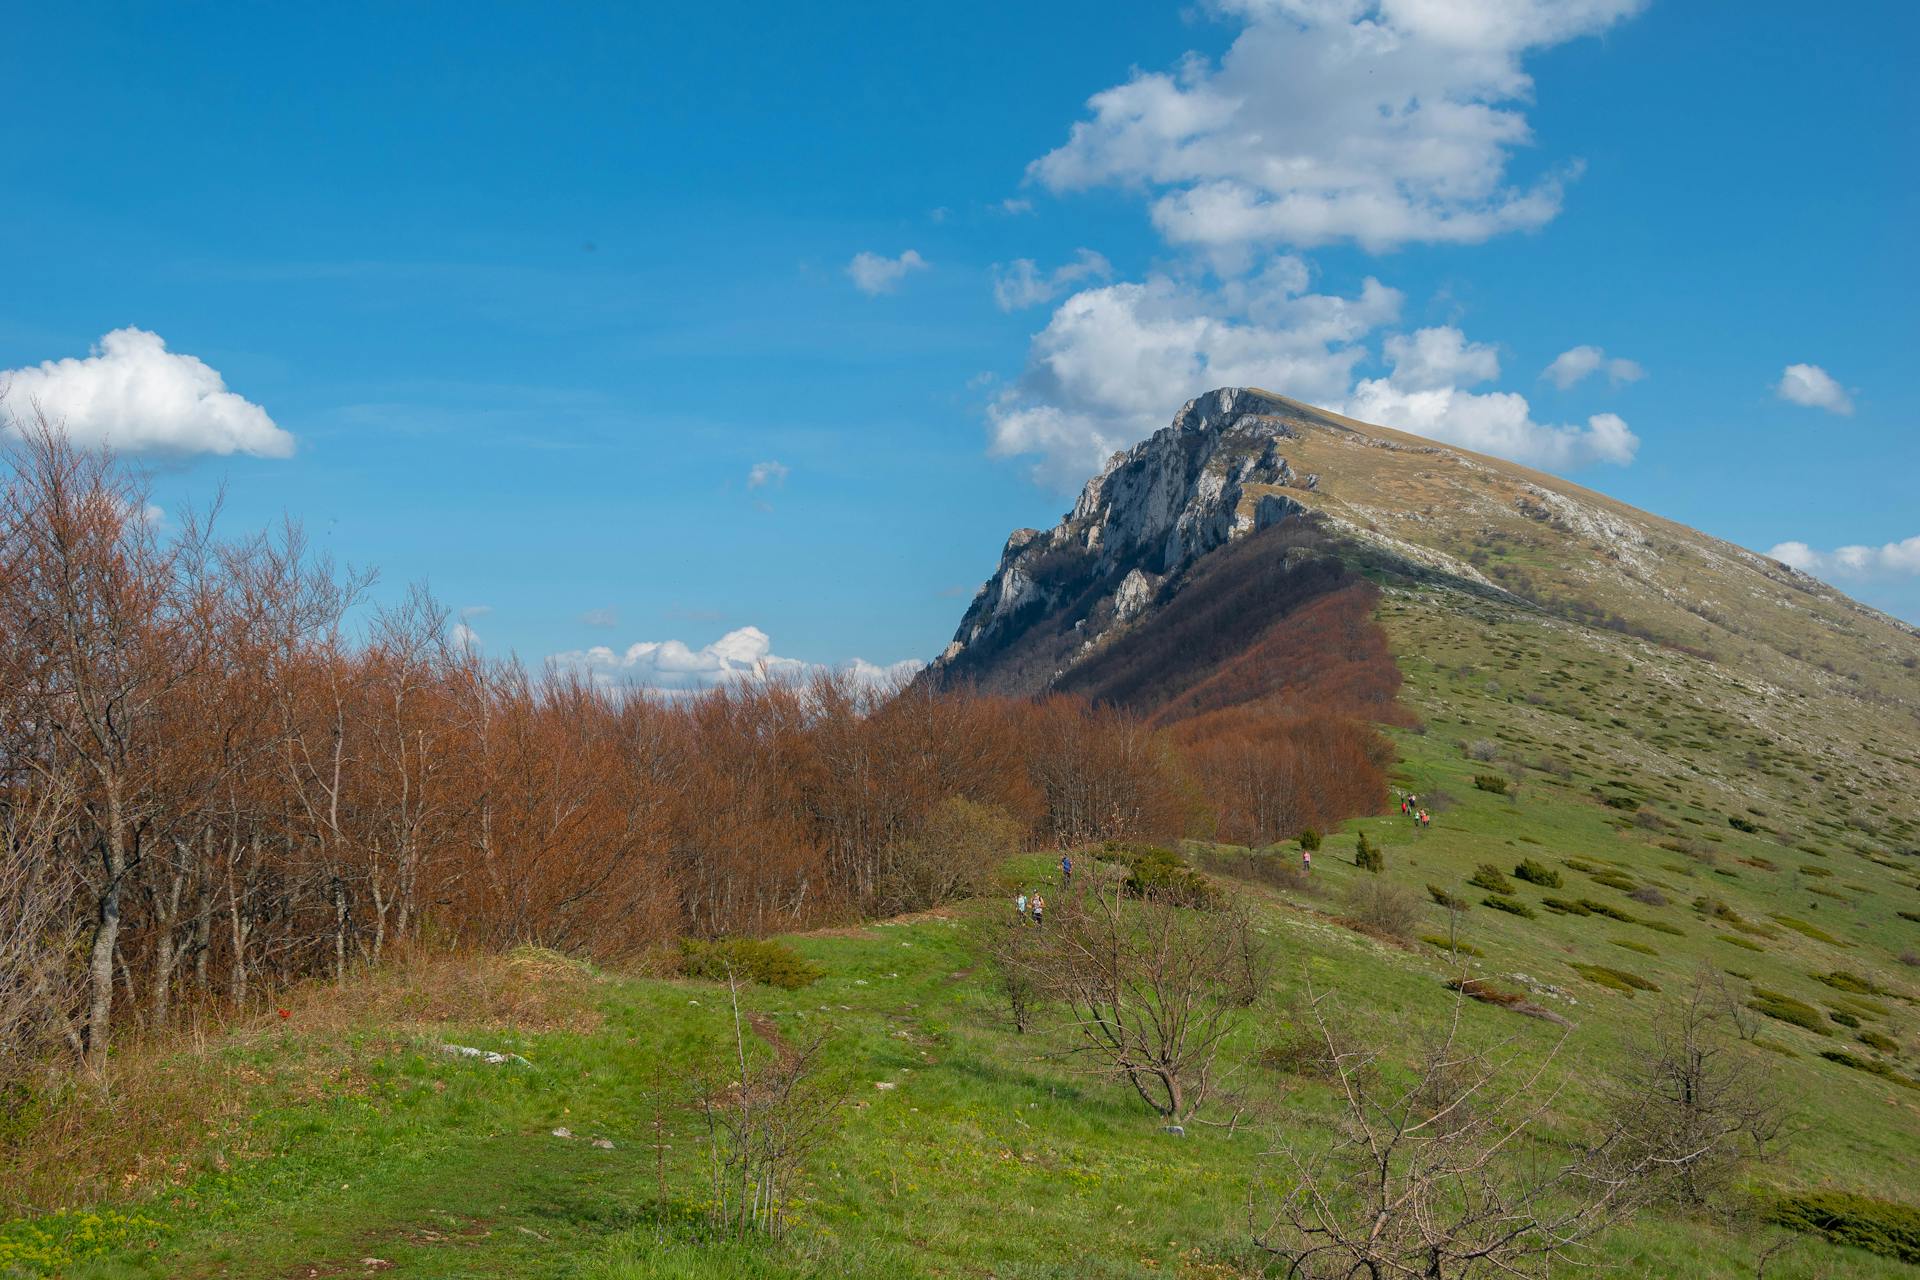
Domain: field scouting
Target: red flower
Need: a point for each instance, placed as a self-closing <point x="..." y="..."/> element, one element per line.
<point x="286" y="1013"/>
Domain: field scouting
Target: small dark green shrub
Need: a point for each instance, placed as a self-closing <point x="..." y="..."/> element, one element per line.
<point x="1631" y="945"/>
<point x="1614" y="880"/>
<point x="1879" y="1226"/>
<point x="1487" y="876"/>
<point x="1513" y="906"/>
<point x="1534" y="873"/>
<point x="774" y="964"/>
<point x="1909" y="915"/>
<point x="1815" y="871"/>
<point x="1661" y="926"/>
<point x="1445" y="899"/>
<point x="1563" y="907"/>
<point x="1493" y="782"/>
<point x="1741" y="824"/>
<point x="1310" y="840"/>
<point x="1608" y="910"/>
<point x="1620" y="802"/>
<point x="1844" y="1018"/>
<point x="1879" y="1040"/>
<point x="1369" y="856"/>
<point x="1787" y="1009"/>
<point x="1739" y="942"/>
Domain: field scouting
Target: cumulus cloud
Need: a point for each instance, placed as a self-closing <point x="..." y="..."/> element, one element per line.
<point x="1579" y="363"/>
<point x="1810" y="385"/>
<point x="742" y="655"/>
<point x="1022" y="284"/>
<point x="873" y="274"/>
<point x="1426" y="393"/>
<point x="464" y="638"/>
<point x="768" y="474"/>
<point x="135" y="396"/>
<point x="1381" y="122"/>
<point x="1892" y="560"/>
<point x="1114" y="362"/>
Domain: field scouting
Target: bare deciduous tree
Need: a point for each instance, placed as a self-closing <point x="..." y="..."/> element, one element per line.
<point x="1151" y="990"/>
<point x="1444" y="1175"/>
<point x="1695" y="1105"/>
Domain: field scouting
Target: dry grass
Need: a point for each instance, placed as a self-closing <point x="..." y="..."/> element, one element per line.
<point x="166" y="1107"/>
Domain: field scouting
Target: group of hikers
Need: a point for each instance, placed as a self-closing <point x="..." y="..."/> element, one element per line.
<point x="1410" y="808"/>
<point x="1033" y="904"/>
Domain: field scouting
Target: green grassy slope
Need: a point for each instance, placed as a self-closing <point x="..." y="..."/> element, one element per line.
<point x="351" y="1139"/>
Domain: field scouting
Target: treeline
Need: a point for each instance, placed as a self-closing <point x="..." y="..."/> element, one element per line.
<point x="222" y="771"/>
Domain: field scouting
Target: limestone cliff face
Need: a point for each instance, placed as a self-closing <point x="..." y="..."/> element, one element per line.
<point x="1209" y="477"/>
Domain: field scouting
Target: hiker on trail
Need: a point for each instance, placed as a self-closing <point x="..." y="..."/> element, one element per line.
<point x="1066" y="870"/>
<point x="1020" y="906"/>
<point x="1426" y="819"/>
<point x="1306" y="859"/>
<point x="1404" y="804"/>
<point x="1039" y="908"/>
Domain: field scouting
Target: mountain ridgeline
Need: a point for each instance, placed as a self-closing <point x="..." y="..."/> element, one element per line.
<point x="1259" y="553"/>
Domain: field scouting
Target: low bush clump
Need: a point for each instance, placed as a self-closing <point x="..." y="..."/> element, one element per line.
<point x="1534" y="873"/>
<point x="1661" y="926"/>
<point x="1741" y="824"/>
<point x="1813" y="931"/>
<point x="1451" y="944"/>
<point x="1564" y="907"/>
<point x="772" y="964"/>
<point x="1841" y="980"/>
<point x="1909" y="915"/>
<point x="1884" y="1227"/>
<point x="1442" y="898"/>
<point x="1513" y="906"/>
<point x="1787" y="1009"/>
<point x="1647" y="895"/>
<point x="1844" y="1018"/>
<point x="1631" y="945"/>
<point x="1872" y="1066"/>
<point x="1154" y="871"/>
<point x="1614" y="880"/>
<point x="1369" y="856"/>
<point x="1487" y="876"/>
<point x="1384" y="910"/>
<point x="1815" y="871"/>
<point x="1879" y="1040"/>
<point x="1614" y="979"/>
<point x="1608" y="910"/>
<point x="1739" y="942"/>
<point x="1493" y="782"/>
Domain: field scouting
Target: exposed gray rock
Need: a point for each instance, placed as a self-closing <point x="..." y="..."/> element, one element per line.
<point x="1150" y="513"/>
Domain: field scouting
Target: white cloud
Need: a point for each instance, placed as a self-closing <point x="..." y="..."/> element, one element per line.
<point x="1578" y="363"/>
<point x="472" y="611"/>
<point x="464" y="638"/>
<point x="1810" y="385"/>
<point x="1114" y="362"/>
<point x="764" y="474"/>
<point x="1383" y="122"/>
<point x="874" y="275"/>
<point x="1014" y="206"/>
<point x="135" y="396"/>
<point x="602" y="618"/>
<point x="1022" y="284"/>
<point x="1426" y="394"/>
<point x="1861" y="563"/>
<point x="744" y="654"/>
<point x="1442" y="357"/>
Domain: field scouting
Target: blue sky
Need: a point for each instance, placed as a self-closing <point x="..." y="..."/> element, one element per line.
<point x="516" y="300"/>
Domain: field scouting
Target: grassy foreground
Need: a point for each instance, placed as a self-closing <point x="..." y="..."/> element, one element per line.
<point x="339" y="1140"/>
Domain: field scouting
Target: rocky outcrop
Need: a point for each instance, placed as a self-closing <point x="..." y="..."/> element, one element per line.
<point x="1196" y="484"/>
